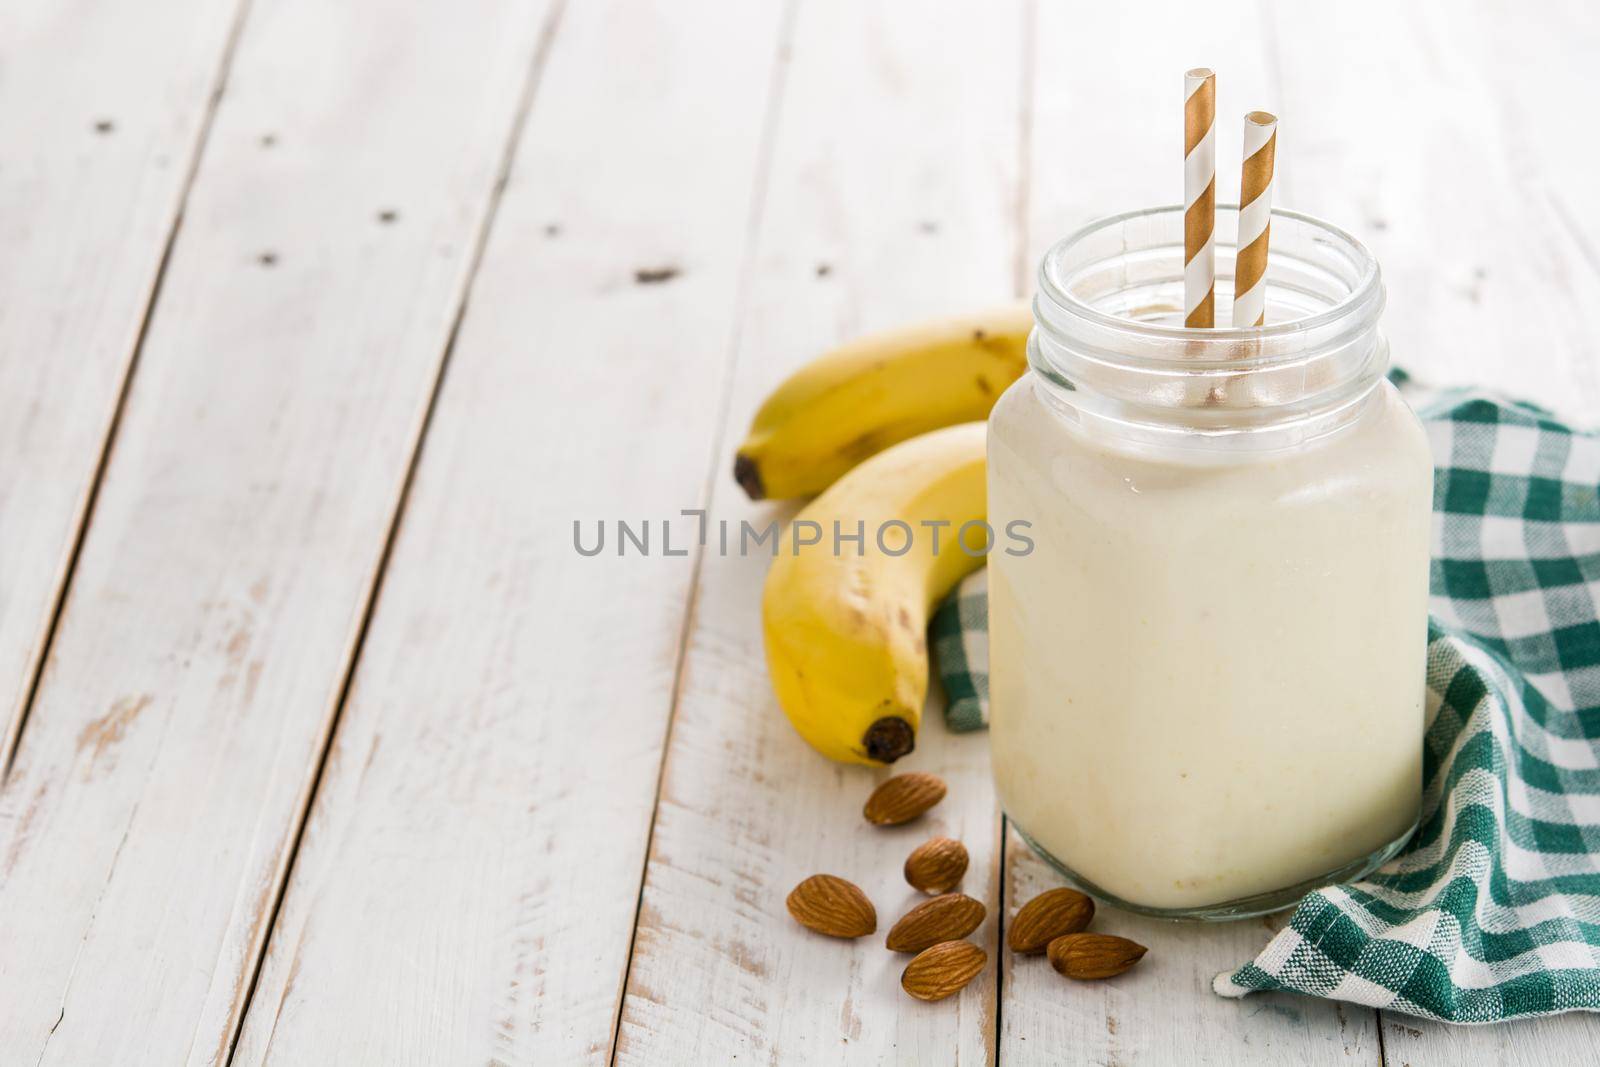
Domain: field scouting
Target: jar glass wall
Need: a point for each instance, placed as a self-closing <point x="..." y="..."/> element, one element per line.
<point x="1207" y="676"/>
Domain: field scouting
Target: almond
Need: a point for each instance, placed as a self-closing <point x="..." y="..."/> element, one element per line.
<point x="1047" y="917"/>
<point x="832" y="906"/>
<point x="903" y="797"/>
<point x="943" y="969"/>
<point x="947" y="918"/>
<point x="1089" y="956"/>
<point x="936" y="866"/>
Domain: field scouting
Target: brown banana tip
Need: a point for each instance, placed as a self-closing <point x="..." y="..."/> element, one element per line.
<point x="889" y="738"/>
<point x="748" y="476"/>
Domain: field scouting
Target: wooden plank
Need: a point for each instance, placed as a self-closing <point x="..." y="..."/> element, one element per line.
<point x="102" y="108"/>
<point x="1570" y="1039"/>
<point x="1487" y="285"/>
<point x="1539" y="74"/>
<point x="1163" y="1011"/>
<point x="1530" y="68"/>
<point x="1411" y="1042"/>
<point x="894" y="179"/>
<point x="1107" y="137"/>
<point x="477" y="842"/>
<point x="327" y="245"/>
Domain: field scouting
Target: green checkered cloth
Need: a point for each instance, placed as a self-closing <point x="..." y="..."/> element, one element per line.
<point x="1493" y="910"/>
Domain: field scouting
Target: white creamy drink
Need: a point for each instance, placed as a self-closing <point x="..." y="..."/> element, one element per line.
<point x="1232" y="701"/>
<point x="1207" y="677"/>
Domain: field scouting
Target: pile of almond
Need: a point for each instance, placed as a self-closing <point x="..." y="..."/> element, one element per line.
<point x="1054" y="922"/>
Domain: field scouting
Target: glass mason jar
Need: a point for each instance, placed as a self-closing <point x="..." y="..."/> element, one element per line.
<point x="1207" y="676"/>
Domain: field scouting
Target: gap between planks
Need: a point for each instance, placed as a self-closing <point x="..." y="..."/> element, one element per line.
<point x="1021" y="289"/>
<point x="764" y="154"/>
<point x="939" y="123"/>
<point x="352" y="658"/>
<point x="476" y="825"/>
<point x="12" y="741"/>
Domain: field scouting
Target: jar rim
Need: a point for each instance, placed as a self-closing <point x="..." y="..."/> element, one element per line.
<point x="1367" y="285"/>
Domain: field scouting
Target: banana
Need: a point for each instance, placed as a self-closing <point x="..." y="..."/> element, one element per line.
<point x="859" y="399"/>
<point x="846" y="633"/>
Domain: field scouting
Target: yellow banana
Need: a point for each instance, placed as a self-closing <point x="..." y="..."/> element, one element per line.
<point x="846" y="633"/>
<point x="859" y="399"/>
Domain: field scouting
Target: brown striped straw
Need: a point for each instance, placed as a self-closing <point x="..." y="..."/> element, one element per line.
<point x="1199" y="197"/>
<point x="1255" y="219"/>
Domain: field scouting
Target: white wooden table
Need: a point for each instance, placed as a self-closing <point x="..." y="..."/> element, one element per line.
<point x="322" y="320"/>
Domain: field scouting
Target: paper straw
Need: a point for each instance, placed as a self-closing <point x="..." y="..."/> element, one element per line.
<point x="1199" y="197"/>
<point x="1255" y="219"/>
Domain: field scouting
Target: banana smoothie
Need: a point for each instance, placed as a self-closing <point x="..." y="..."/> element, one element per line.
<point x="1207" y="679"/>
<point x="1232" y="704"/>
